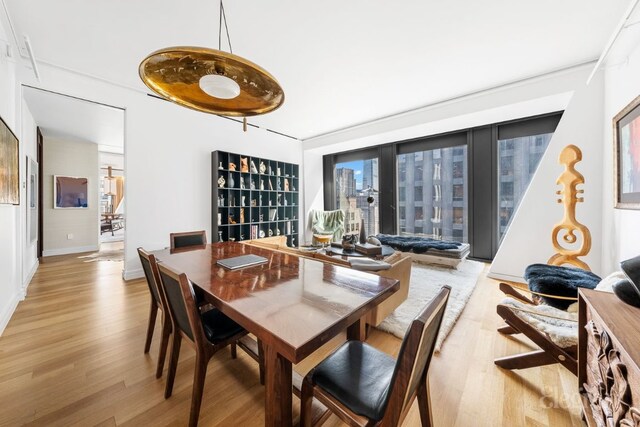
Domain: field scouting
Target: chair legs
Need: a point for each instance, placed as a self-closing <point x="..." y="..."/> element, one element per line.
<point x="153" y="312"/>
<point x="198" y="388"/>
<point x="306" y="399"/>
<point x="173" y="364"/>
<point x="424" y="403"/>
<point x="164" y="343"/>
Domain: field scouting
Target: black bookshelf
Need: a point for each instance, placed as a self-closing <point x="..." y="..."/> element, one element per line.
<point x="256" y="203"/>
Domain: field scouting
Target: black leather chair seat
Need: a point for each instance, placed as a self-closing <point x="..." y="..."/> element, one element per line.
<point x="218" y="327"/>
<point x="359" y="376"/>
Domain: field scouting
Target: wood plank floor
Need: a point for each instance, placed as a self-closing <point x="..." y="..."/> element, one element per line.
<point x="73" y="355"/>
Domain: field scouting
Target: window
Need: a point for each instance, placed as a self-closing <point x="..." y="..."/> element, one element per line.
<point x="355" y="181"/>
<point x="418" y="194"/>
<point x="516" y="176"/>
<point x="424" y="184"/>
<point x="441" y="200"/>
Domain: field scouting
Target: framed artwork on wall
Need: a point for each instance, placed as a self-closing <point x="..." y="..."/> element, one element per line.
<point x="70" y="192"/>
<point x="626" y="140"/>
<point x="9" y="166"/>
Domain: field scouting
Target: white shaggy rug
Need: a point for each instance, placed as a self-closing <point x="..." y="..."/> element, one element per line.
<point x="426" y="282"/>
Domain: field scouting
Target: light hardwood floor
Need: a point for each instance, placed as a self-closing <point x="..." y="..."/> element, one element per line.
<point x="73" y="355"/>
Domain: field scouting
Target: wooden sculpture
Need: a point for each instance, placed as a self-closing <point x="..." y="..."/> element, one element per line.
<point x="244" y="164"/>
<point x="565" y="231"/>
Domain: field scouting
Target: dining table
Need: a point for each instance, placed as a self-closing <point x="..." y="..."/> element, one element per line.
<point x="293" y="306"/>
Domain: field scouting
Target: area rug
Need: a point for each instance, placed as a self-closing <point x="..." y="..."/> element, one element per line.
<point x="426" y="282"/>
<point x="106" y="255"/>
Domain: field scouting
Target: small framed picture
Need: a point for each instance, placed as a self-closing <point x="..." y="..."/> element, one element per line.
<point x="626" y="140"/>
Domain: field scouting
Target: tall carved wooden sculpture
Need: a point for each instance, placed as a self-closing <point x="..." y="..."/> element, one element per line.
<point x="567" y="231"/>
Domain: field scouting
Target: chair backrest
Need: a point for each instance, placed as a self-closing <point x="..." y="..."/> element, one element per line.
<point x="414" y="357"/>
<point x="188" y="238"/>
<point x="181" y="301"/>
<point x="150" y="268"/>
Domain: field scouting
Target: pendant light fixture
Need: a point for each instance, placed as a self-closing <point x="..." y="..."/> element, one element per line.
<point x="212" y="81"/>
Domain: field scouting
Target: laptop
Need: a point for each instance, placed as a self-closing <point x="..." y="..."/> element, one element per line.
<point x="242" y="261"/>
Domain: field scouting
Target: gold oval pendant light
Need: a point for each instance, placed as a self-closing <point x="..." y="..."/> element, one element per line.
<point x="210" y="80"/>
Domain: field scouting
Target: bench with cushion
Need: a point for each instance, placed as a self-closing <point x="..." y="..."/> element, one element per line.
<point x="427" y="250"/>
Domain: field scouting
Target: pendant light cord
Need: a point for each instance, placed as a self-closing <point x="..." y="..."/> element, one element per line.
<point x="223" y="18"/>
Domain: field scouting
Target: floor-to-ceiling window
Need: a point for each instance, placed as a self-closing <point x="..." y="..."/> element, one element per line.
<point x="518" y="159"/>
<point x="356" y="191"/>
<point x="432" y="193"/>
<point x="463" y="186"/>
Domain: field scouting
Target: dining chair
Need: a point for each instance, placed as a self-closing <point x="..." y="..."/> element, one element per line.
<point x="366" y="387"/>
<point x="206" y="332"/>
<point x="150" y="267"/>
<point x="187" y="239"/>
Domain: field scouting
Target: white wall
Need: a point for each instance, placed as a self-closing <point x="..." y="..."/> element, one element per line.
<point x="29" y="148"/>
<point x="528" y="239"/>
<point x="77" y="159"/>
<point x="621" y="228"/>
<point x="528" y="98"/>
<point x="10" y="249"/>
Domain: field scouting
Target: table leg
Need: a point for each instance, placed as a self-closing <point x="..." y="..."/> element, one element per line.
<point x="277" y="390"/>
<point x="358" y="330"/>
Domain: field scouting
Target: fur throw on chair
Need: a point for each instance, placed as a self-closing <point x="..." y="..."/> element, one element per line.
<point x="558" y="280"/>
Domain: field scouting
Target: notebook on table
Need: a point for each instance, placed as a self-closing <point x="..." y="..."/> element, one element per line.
<point x="241" y="261"/>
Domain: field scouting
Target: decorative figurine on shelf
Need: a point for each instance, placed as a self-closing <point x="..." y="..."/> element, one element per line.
<point x="286" y="185"/>
<point x="279" y="199"/>
<point x="270" y="232"/>
<point x="231" y="220"/>
<point x="221" y="200"/>
<point x="270" y="171"/>
<point x="278" y="185"/>
<point x="252" y="185"/>
<point x="278" y="171"/>
<point x="293" y="242"/>
<point x="261" y="220"/>
<point x="263" y="168"/>
<point x="253" y="167"/>
<point x="221" y="182"/>
<point x="244" y="164"/>
<point x="220" y="166"/>
<point x="242" y="216"/>
<point x="232" y="166"/>
<point x="242" y="184"/>
<point x="232" y="239"/>
<point x="260" y="199"/>
<point x="220" y="236"/>
<point x="219" y="218"/>
<point x="242" y="200"/>
<point x="277" y="231"/>
<point x="232" y="183"/>
<point x="261" y="234"/>
<point x="253" y="203"/>
<point x="270" y="186"/>
<point x="285" y="201"/>
<point x="241" y="236"/>
<point x="262" y="184"/>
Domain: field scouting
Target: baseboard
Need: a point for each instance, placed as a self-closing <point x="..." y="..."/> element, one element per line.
<point x="506" y="277"/>
<point x="27" y="281"/>
<point x="7" y="311"/>
<point x="138" y="273"/>
<point x="67" y="251"/>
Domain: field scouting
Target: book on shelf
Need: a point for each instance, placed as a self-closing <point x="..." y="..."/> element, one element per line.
<point x="368" y="249"/>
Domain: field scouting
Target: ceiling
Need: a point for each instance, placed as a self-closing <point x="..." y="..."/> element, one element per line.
<point x="60" y="116"/>
<point x="340" y="63"/>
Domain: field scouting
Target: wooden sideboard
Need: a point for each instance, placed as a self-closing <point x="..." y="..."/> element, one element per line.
<point x="609" y="358"/>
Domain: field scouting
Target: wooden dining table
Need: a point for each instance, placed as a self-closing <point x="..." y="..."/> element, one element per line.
<point x="292" y="305"/>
